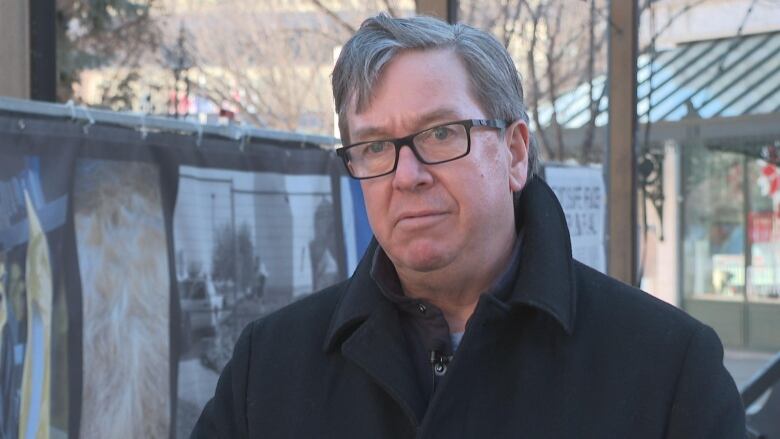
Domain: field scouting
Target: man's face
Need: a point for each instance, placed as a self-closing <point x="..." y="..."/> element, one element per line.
<point x="429" y="217"/>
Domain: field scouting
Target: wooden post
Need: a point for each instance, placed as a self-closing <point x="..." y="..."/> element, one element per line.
<point x="15" y="49"/>
<point x="445" y="9"/>
<point x="621" y="177"/>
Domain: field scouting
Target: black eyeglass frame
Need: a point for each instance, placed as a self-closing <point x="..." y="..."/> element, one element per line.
<point x="409" y="141"/>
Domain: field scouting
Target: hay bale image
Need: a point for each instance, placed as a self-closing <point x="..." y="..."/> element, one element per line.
<point x="121" y="244"/>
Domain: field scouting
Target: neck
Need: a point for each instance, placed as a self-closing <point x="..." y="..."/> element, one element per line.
<point x="455" y="289"/>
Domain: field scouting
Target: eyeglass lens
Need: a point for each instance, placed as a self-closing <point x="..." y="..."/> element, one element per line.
<point x="433" y="146"/>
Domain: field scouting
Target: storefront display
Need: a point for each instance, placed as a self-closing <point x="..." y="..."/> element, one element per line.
<point x="731" y="242"/>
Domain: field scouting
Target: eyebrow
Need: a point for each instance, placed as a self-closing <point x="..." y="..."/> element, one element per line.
<point x="429" y="119"/>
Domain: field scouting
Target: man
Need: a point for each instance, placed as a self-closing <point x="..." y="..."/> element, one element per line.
<point x="467" y="316"/>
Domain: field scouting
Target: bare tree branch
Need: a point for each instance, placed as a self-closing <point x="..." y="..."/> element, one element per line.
<point x="390" y="9"/>
<point x="587" y="142"/>
<point x="510" y="26"/>
<point x="333" y="15"/>
<point x="551" y="81"/>
<point x="535" y="21"/>
<point x="682" y="11"/>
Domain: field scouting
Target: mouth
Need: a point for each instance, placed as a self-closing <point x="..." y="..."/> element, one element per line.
<point x="416" y="219"/>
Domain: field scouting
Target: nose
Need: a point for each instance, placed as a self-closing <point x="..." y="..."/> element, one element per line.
<point x="410" y="174"/>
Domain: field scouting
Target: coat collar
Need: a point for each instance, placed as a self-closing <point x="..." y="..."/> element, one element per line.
<point x="545" y="278"/>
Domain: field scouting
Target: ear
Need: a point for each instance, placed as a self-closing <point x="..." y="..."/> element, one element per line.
<point x="517" y="138"/>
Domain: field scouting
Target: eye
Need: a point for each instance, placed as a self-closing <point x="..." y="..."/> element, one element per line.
<point x="441" y="133"/>
<point x="375" y="148"/>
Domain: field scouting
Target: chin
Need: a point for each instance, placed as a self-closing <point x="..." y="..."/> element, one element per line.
<point x="425" y="258"/>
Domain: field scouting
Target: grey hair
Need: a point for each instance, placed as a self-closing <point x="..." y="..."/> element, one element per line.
<point x="495" y="82"/>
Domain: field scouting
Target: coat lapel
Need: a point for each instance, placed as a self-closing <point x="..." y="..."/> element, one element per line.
<point x="545" y="278"/>
<point x="366" y="327"/>
<point x="378" y="346"/>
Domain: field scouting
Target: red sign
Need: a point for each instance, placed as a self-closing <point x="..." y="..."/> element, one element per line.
<point x="760" y="226"/>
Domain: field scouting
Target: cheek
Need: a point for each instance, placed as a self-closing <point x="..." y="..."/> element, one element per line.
<point x="492" y="167"/>
<point x="376" y="203"/>
<point x="490" y="154"/>
<point x="489" y="186"/>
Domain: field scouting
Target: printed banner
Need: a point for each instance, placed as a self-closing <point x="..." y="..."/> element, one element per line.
<point x="246" y="244"/>
<point x="129" y="264"/>
<point x="123" y="260"/>
<point x="34" y="317"/>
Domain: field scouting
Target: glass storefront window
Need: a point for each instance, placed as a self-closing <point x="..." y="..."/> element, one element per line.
<point x="763" y="267"/>
<point x="714" y="221"/>
<point x="731" y="215"/>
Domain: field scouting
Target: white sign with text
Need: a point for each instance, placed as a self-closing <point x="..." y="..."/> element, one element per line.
<point x="582" y="193"/>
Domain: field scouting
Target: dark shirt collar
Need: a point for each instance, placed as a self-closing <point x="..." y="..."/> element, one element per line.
<point x="544" y="277"/>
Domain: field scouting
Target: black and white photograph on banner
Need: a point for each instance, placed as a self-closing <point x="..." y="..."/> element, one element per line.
<point x="123" y="259"/>
<point x="246" y="244"/>
<point x="33" y="310"/>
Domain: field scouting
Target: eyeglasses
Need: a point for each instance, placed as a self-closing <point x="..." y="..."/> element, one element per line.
<point x="440" y="144"/>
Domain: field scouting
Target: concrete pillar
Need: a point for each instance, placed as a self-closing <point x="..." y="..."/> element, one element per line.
<point x="15" y="49"/>
<point x="669" y="256"/>
<point x="664" y="284"/>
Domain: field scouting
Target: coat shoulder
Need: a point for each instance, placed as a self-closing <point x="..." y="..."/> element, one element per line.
<point x="629" y="310"/>
<point x="675" y="361"/>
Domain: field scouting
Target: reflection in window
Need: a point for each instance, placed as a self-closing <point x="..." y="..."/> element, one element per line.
<point x="763" y="282"/>
<point x="713" y="249"/>
<point x="731" y="215"/>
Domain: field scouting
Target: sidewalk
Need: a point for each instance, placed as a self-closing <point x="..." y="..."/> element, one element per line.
<point x="744" y="364"/>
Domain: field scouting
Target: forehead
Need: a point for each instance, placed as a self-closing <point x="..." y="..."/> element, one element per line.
<point x="417" y="88"/>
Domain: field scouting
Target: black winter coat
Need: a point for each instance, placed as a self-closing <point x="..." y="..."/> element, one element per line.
<point x="571" y="354"/>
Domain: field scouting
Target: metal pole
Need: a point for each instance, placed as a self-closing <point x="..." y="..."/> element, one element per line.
<point x="43" y="51"/>
<point x="621" y="177"/>
<point x="167" y="124"/>
<point x="236" y="271"/>
<point x="747" y="254"/>
<point x="213" y="223"/>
